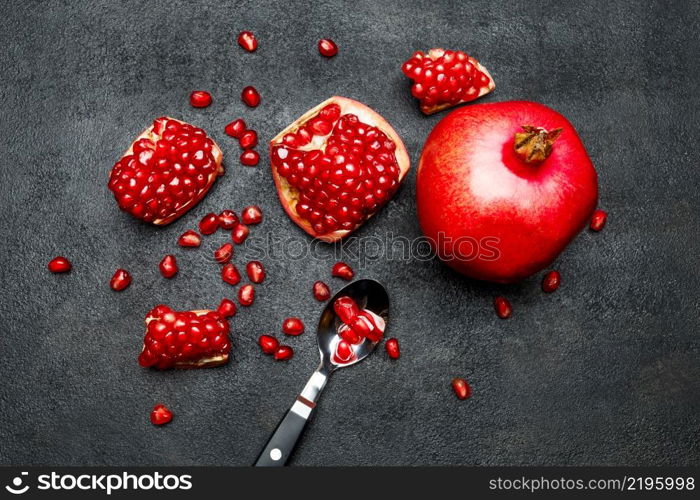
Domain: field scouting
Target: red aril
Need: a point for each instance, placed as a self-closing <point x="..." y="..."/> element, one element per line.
<point x="283" y="353"/>
<point x="168" y="266"/>
<point x="161" y="415"/>
<point x="392" y="348"/>
<point x="348" y="334"/>
<point x="184" y="339"/>
<point x="250" y="158"/>
<point x="327" y="47"/>
<point x="228" y="219"/>
<point x="240" y="233"/>
<point x="342" y="270"/>
<point x="227" y="308"/>
<point x="247" y="40"/>
<point x="551" y="281"/>
<point x="250" y="96"/>
<point x="268" y="344"/>
<point x="236" y="128"/>
<point x="246" y="295"/>
<point x="230" y="274"/>
<point x="346" y="309"/>
<point x="255" y="271"/>
<point x="120" y="280"/>
<point x="445" y="78"/>
<point x="502" y="306"/>
<point x="374" y="323"/>
<point x="248" y="139"/>
<point x="461" y="388"/>
<point x="344" y="353"/>
<point x="200" y="99"/>
<point x="189" y="239"/>
<point x="336" y="166"/>
<point x="598" y="220"/>
<point x="224" y="253"/>
<point x="209" y="224"/>
<point x="292" y="326"/>
<point x="165" y="171"/>
<point x="321" y="291"/>
<point x="251" y="215"/>
<point x="59" y="265"/>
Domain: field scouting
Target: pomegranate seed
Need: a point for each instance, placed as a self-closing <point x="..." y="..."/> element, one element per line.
<point x="227" y="308"/>
<point x="161" y="415"/>
<point x="344" y="352"/>
<point x="342" y="270"/>
<point x="236" y="128"/>
<point x="255" y="271"/>
<point x="347" y="333"/>
<point x="551" y="281"/>
<point x="292" y="326"/>
<point x="268" y="344"/>
<point x="230" y="274"/>
<point x="346" y="309"/>
<point x="189" y="239"/>
<point x="120" y="280"/>
<point x="247" y="40"/>
<point x="283" y="353"/>
<point x="598" y="220"/>
<point x="246" y="295"/>
<point x="462" y="388"/>
<point x="251" y="215"/>
<point x="168" y="266"/>
<point x="59" y="265"/>
<point x="250" y="158"/>
<point x="392" y="348"/>
<point x="209" y="224"/>
<point x="250" y="96"/>
<point x="248" y="139"/>
<point x="503" y="307"/>
<point x="228" y="219"/>
<point x="327" y="47"/>
<point x="200" y="99"/>
<point x="240" y="233"/>
<point x="321" y="291"/>
<point x="224" y="253"/>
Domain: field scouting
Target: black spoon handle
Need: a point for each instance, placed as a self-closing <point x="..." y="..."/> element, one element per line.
<point x="283" y="441"/>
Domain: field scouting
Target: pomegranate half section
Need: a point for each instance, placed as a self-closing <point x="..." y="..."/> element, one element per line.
<point x="336" y="166"/>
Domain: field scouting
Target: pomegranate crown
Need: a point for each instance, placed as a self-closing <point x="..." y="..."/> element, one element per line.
<point x="534" y="144"/>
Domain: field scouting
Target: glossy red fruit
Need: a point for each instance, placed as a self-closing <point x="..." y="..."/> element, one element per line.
<point x="161" y="415"/>
<point x="240" y="233"/>
<point x="251" y="215"/>
<point x="348" y="334"/>
<point x="200" y="99"/>
<point x="247" y="40"/>
<point x="250" y="158"/>
<point x="236" y="128"/>
<point x="551" y="281"/>
<point x="250" y="96"/>
<point x="336" y="166"/>
<point x="327" y="47"/>
<point x="120" y="280"/>
<point x="461" y="388"/>
<point x="248" y="139"/>
<point x="598" y="220"/>
<point x="342" y="270"/>
<point x="283" y="353"/>
<point x="228" y="219"/>
<point x="375" y="325"/>
<point x="502" y="188"/>
<point x="224" y="253"/>
<point x="209" y="224"/>
<point x="255" y="271"/>
<point x="59" y="265"/>
<point x="230" y="274"/>
<point x="293" y="326"/>
<point x="321" y="291"/>
<point x="168" y="266"/>
<point x="392" y="348"/>
<point x="184" y="339"/>
<point x="268" y="344"/>
<point x="445" y="78"/>
<point x="227" y="308"/>
<point x="246" y="295"/>
<point x="344" y="352"/>
<point x="189" y="239"/>
<point x="346" y="309"/>
<point x="165" y="171"/>
<point x="502" y="306"/>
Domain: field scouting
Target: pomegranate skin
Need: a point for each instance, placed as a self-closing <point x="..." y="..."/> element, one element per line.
<point x="516" y="216"/>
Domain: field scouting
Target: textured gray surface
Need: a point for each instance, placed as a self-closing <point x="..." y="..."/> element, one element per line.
<point x="605" y="371"/>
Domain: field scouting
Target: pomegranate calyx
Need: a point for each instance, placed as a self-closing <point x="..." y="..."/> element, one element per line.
<point x="534" y="144"/>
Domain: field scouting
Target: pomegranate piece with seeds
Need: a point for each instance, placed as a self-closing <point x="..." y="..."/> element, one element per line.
<point x="445" y="78"/>
<point x="598" y="220"/>
<point x="165" y="171"/>
<point x="327" y="47"/>
<point x="247" y="40"/>
<point x="168" y="266"/>
<point x="502" y="306"/>
<point x="200" y="99"/>
<point x="184" y="339"/>
<point x="250" y="158"/>
<point x="161" y="415"/>
<point x="59" y="265"/>
<point x="392" y="348"/>
<point x="336" y="166"/>
<point x="248" y="139"/>
<point x="120" y="280"/>
<point x="461" y="388"/>
<point x="227" y="308"/>
<point x="224" y="253"/>
<point x="255" y="271"/>
<point x="293" y="326"/>
<point x="268" y="344"/>
<point x="228" y="219"/>
<point x="321" y="291"/>
<point x="551" y="281"/>
<point x="246" y="295"/>
<point x="236" y="128"/>
<point x="240" y="233"/>
<point x="283" y="353"/>
<point x="342" y="270"/>
<point x="189" y="239"/>
<point x="250" y="96"/>
<point x="230" y="274"/>
<point x="251" y="215"/>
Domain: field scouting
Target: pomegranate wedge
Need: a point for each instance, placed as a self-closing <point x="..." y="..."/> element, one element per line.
<point x="336" y="166"/>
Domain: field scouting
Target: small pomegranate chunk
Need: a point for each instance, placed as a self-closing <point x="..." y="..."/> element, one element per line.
<point x="255" y="271"/>
<point x="292" y="326"/>
<point x="551" y="281"/>
<point x="445" y="78"/>
<point x="246" y="295"/>
<point x="247" y="40"/>
<point x="224" y="253"/>
<point x="503" y="308"/>
<point x="251" y="215"/>
<point x="184" y="339"/>
<point x="161" y="415"/>
<point x="230" y="274"/>
<point x="240" y="233"/>
<point x="165" y="171"/>
<point x="189" y="239"/>
<point x="209" y="224"/>
<point x="236" y="128"/>
<point x="462" y="388"/>
<point x="346" y="309"/>
<point x="248" y="139"/>
<point x="342" y="270"/>
<point x="250" y="157"/>
<point x="228" y="219"/>
<point x="250" y="96"/>
<point x="59" y="265"/>
<point x="283" y="353"/>
<point x="168" y="266"/>
<point x="268" y="344"/>
<point x="392" y="348"/>
<point x="344" y="353"/>
<point x="200" y="99"/>
<point x="598" y="220"/>
<point x="327" y="47"/>
<point x="120" y="280"/>
<point x="321" y="291"/>
<point x="227" y="308"/>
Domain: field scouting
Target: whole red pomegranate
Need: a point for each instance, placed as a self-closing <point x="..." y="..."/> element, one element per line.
<point x="502" y="188"/>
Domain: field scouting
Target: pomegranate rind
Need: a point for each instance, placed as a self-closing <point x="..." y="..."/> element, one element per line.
<point x="289" y="195"/>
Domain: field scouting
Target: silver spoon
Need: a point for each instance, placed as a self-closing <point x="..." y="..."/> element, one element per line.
<point x="368" y="294"/>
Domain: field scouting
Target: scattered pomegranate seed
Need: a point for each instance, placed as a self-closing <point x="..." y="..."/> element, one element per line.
<point x="321" y="291"/>
<point x="240" y="233"/>
<point x="230" y="274"/>
<point x="250" y="158"/>
<point x="236" y="128"/>
<point x="189" y="239"/>
<point x="250" y="96"/>
<point x="161" y="415"/>
<point x="327" y="47"/>
<point x="292" y="326"/>
<point x="200" y="99"/>
<point x="247" y="40"/>
<point x="246" y="295"/>
<point x="251" y="215"/>
<point x="209" y="224"/>
<point x="59" y="265"/>
<point x="503" y="307"/>
<point x="227" y="308"/>
<point x="283" y="353"/>
<point x="268" y="344"/>
<point x="462" y="388"/>
<point x="346" y="309"/>
<point x="168" y="266"/>
<point x="344" y="352"/>
<point x="224" y="253"/>
<point x="342" y="270"/>
<point x="255" y="271"/>
<point x="598" y="220"/>
<point x="248" y="139"/>
<point x="392" y="348"/>
<point x="551" y="281"/>
<point x="228" y="219"/>
<point x="120" y="280"/>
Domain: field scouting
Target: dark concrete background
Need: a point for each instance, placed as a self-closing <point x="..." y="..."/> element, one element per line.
<point x="605" y="371"/>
